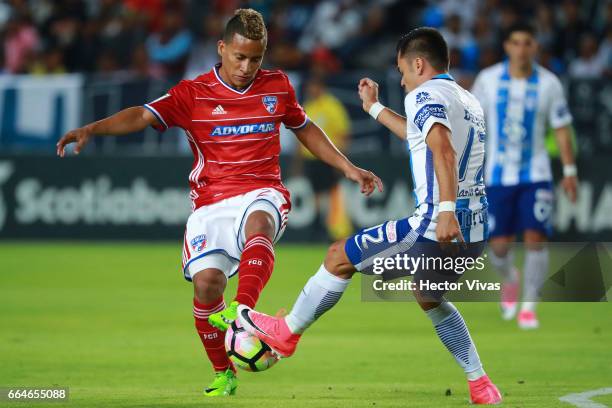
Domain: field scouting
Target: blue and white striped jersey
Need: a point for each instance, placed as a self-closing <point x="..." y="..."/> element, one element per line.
<point x="518" y="113"/>
<point x="441" y="100"/>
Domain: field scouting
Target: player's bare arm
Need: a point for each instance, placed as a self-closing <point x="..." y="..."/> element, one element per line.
<point x="570" y="178"/>
<point x="445" y="167"/>
<point x="129" y="120"/>
<point x="368" y="93"/>
<point x="317" y="142"/>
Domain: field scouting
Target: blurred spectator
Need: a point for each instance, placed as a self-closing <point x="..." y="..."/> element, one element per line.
<point x="170" y="47"/>
<point x="545" y="21"/>
<point x="332" y="24"/>
<point x="328" y="112"/>
<point x="571" y="29"/>
<point x="49" y="62"/>
<point x="140" y="67"/>
<point x="605" y="52"/>
<point x="20" y="43"/>
<point x="5" y="13"/>
<point x="204" y="54"/>
<point x="97" y="35"/>
<point x="106" y="63"/>
<point x="454" y="33"/>
<point x="588" y="65"/>
<point x="461" y="40"/>
<point x="433" y="16"/>
<point x="489" y="56"/>
<point x="464" y="9"/>
<point x="150" y="11"/>
<point x="483" y="32"/>
<point x="550" y="61"/>
<point x="507" y="17"/>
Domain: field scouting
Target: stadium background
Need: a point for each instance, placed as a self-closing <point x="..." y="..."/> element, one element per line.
<point x="69" y="62"/>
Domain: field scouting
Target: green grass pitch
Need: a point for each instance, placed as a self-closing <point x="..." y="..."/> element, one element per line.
<point x="113" y="322"/>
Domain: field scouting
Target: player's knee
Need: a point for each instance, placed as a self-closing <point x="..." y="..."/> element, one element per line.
<point x="337" y="262"/>
<point x="500" y="246"/>
<point x="426" y="302"/>
<point x="259" y="222"/>
<point x="332" y="259"/>
<point x="208" y="285"/>
<point x="534" y="240"/>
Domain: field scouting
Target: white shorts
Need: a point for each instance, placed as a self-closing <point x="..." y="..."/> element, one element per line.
<point x="214" y="236"/>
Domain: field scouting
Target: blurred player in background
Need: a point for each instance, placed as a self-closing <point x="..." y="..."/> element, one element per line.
<point x="330" y="114"/>
<point x="442" y="122"/>
<point x="521" y="100"/>
<point x="231" y="116"/>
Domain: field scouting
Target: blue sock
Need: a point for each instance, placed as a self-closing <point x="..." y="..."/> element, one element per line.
<point x="454" y="334"/>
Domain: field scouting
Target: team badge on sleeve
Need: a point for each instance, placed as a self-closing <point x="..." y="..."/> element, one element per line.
<point x="199" y="243"/>
<point x="270" y="102"/>
<point x="422" y="97"/>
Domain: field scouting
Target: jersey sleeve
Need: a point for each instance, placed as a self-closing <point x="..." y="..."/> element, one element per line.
<point x="174" y="108"/>
<point x="424" y="108"/>
<point x="558" y="114"/>
<point x="295" y="117"/>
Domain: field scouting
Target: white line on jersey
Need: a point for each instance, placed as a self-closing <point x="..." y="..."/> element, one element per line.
<point x="242" y="161"/>
<point x="228" y="119"/>
<point x="241" y="97"/>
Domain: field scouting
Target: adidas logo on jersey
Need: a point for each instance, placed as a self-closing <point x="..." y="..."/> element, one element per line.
<point x="219" y="110"/>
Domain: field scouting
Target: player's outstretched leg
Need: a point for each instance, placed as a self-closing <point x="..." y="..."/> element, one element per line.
<point x="453" y="332"/>
<point x="208" y="287"/>
<point x="536" y="268"/>
<point x="322" y="291"/>
<point x="255" y="269"/>
<point x="502" y="258"/>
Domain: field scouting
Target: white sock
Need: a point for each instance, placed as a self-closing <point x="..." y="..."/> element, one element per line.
<point x="454" y="334"/>
<point x="504" y="265"/>
<point x="535" y="271"/>
<point x="322" y="291"/>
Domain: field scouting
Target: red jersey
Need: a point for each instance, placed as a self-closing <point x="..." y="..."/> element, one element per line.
<point x="234" y="134"/>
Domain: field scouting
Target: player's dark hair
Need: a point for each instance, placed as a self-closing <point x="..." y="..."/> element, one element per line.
<point x="520" y="27"/>
<point x="426" y="42"/>
<point x="248" y="23"/>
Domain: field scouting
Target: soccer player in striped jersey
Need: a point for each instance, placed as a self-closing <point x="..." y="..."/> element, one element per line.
<point x="521" y="100"/>
<point x="231" y="116"/>
<point x="444" y="127"/>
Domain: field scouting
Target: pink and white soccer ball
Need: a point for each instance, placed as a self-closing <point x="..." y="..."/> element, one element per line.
<point x="247" y="352"/>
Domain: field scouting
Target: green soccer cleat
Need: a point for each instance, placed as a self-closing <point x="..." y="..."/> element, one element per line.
<point x="223" y="320"/>
<point x="224" y="384"/>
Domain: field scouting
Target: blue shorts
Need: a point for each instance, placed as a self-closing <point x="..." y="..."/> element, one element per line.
<point x="514" y="209"/>
<point x="369" y="248"/>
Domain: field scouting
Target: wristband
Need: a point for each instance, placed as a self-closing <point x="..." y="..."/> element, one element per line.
<point x="375" y="109"/>
<point x="446" y="206"/>
<point x="570" y="170"/>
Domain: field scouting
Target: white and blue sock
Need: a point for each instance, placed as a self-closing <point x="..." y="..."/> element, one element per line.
<point x="454" y="334"/>
<point x="322" y="291"/>
<point x="504" y="266"/>
<point x="535" y="271"/>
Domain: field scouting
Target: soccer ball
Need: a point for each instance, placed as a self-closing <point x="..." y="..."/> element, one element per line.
<point x="247" y="352"/>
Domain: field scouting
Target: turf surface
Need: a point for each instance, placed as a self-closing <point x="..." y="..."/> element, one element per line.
<point x="113" y="322"/>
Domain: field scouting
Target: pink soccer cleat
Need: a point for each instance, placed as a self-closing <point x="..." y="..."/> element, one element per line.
<point x="484" y="392"/>
<point x="527" y="320"/>
<point x="271" y="330"/>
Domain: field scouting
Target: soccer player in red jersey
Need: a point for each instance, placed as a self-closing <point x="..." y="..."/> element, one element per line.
<point x="231" y="116"/>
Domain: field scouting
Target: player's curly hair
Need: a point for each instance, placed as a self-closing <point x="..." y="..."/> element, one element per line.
<point x="248" y="23"/>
